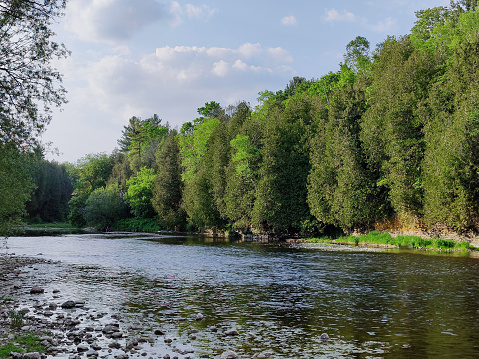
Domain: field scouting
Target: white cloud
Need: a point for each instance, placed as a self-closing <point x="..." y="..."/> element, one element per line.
<point x="384" y="26"/>
<point x="280" y="54"/>
<point x="334" y="15"/>
<point x="111" y="21"/>
<point x="178" y="12"/>
<point x="221" y="68"/>
<point x="288" y="20"/>
<point x="172" y="82"/>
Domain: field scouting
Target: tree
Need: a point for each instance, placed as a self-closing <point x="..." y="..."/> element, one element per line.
<point x="53" y="189"/>
<point x="29" y="84"/>
<point x="357" y="55"/>
<point x="103" y="207"/>
<point x="167" y="185"/>
<point x="15" y="187"/>
<point x="140" y="140"/>
<point x="140" y="193"/>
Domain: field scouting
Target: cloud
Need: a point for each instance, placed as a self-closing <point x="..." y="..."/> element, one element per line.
<point x="111" y="21"/>
<point x="172" y="82"/>
<point x="333" y="15"/>
<point x="179" y="12"/>
<point x="384" y="26"/>
<point x="288" y="20"/>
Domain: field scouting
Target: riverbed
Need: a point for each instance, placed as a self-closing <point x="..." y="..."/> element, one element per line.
<point x="264" y="300"/>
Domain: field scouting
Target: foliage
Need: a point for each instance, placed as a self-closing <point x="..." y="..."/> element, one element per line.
<point x="136" y="225"/>
<point x="167" y="186"/>
<point x="53" y="189"/>
<point x="140" y="139"/>
<point x="103" y="207"/>
<point x="140" y="193"/>
<point x="15" y="187"/>
<point x="30" y="85"/>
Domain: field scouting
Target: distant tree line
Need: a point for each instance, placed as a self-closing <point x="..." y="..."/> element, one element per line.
<point x="393" y="134"/>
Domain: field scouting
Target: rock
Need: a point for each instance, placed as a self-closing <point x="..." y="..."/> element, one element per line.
<point x="122" y="356"/>
<point x="199" y="317"/>
<point x="114" y="345"/>
<point x="229" y="355"/>
<point x="116" y="335"/>
<point x="82" y="348"/>
<point x="68" y="304"/>
<point x="52" y="306"/>
<point x="231" y="332"/>
<point x="167" y="356"/>
<point x="324" y="337"/>
<point x="95" y="346"/>
<point x="159" y="332"/>
<point x="91" y="353"/>
<point x="37" y="290"/>
<point x="132" y="343"/>
<point x="33" y="355"/>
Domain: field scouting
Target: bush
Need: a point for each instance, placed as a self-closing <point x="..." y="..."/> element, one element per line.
<point x="104" y="206"/>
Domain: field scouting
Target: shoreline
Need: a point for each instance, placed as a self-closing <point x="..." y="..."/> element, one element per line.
<point x="57" y="324"/>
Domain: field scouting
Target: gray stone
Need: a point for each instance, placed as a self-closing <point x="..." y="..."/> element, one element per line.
<point x="231" y="332"/>
<point x="229" y="355"/>
<point x="132" y="343"/>
<point x="114" y="345"/>
<point x="91" y="353"/>
<point x="200" y="317"/>
<point x="37" y="290"/>
<point x="324" y="337"/>
<point x="68" y="304"/>
<point x="33" y="355"/>
<point x="82" y="348"/>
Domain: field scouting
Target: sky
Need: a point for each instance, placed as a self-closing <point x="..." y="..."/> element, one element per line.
<point x="144" y="57"/>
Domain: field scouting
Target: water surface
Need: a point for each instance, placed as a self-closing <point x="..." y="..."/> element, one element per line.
<point x="279" y="298"/>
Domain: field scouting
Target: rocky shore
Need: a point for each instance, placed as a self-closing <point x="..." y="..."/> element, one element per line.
<point x="63" y="327"/>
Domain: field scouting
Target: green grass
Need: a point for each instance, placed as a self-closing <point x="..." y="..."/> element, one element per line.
<point x="52" y="225"/>
<point x="136" y="225"/>
<point x="379" y="238"/>
<point x="24" y="344"/>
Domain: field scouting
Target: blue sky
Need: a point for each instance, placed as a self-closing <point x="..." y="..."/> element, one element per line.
<point x="140" y="57"/>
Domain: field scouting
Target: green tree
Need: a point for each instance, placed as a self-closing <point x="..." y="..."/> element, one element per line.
<point x="88" y="174"/>
<point x="280" y="203"/>
<point x="30" y="85"/>
<point x="167" y="186"/>
<point x="15" y="187"/>
<point x="139" y="193"/>
<point x="53" y="190"/>
<point x="103" y="207"/>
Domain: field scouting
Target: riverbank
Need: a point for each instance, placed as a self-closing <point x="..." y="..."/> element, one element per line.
<point x="386" y="240"/>
<point x="38" y="321"/>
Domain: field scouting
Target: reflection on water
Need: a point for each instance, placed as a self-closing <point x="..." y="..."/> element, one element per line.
<point x="280" y="299"/>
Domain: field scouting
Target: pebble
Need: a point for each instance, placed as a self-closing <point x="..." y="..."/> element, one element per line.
<point x="229" y="355"/>
<point x="37" y="290"/>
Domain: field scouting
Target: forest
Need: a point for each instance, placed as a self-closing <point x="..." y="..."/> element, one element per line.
<point x="390" y="140"/>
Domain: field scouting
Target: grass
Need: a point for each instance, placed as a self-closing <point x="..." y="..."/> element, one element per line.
<point x="136" y="225"/>
<point x="22" y="344"/>
<point x="17" y="319"/>
<point x="379" y="238"/>
<point x="53" y="225"/>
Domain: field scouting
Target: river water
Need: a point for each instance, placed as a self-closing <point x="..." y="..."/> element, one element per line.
<point x="279" y="298"/>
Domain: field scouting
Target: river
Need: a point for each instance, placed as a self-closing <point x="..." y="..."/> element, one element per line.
<point x="279" y="298"/>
